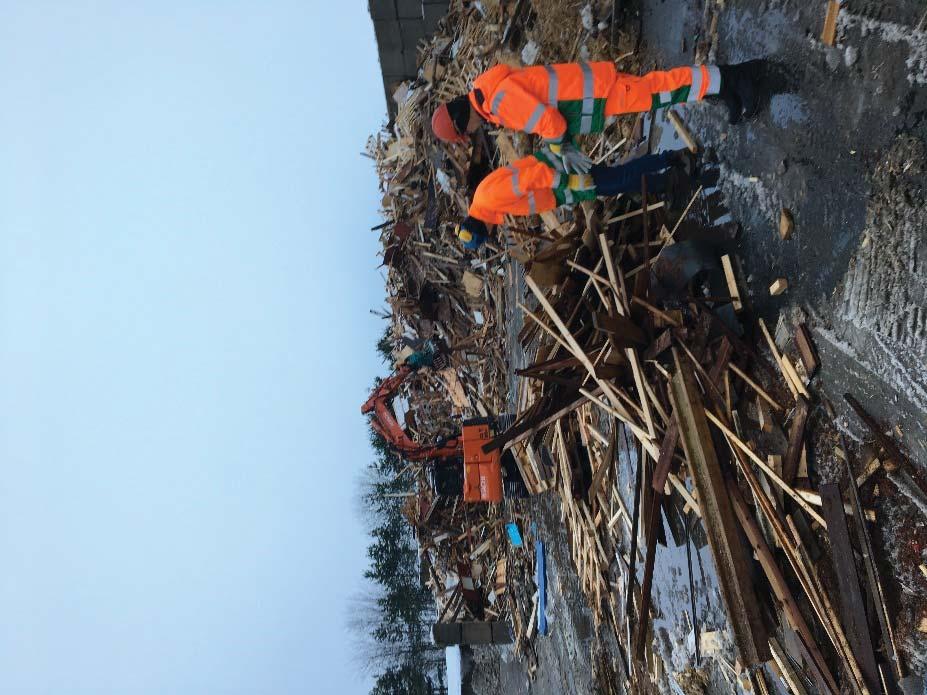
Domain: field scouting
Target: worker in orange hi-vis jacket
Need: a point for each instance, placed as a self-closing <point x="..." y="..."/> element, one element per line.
<point x="558" y="102"/>
<point x="538" y="183"/>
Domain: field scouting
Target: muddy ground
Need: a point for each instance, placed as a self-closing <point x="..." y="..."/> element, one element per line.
<point x="842" y="143"/>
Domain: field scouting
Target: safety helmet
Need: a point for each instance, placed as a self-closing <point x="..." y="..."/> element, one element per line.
<point x="443" y="125"/>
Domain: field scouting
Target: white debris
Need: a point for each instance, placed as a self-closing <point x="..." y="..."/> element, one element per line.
<point x="444" y="182"/>
<point x="529" y="53"/>
<point x="586" y="17"/>
<point x="850" y="55"/>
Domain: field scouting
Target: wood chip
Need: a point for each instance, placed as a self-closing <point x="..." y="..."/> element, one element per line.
<point x="779" y="286"/>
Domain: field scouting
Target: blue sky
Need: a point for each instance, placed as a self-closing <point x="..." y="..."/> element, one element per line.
<point x="185" y="277"/>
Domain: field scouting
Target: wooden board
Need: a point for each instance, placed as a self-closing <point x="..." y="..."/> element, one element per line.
<point x="852" y="602"/>
<point x="778" y="286"/>
<point x="731" y="283"/>
<point x="807" y="350"/>
<point x="779" y="585"/>
<point x="740" y="599"/>
<point x="829" y="33"/>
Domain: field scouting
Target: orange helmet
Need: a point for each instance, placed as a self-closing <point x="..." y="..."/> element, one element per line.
<point x="442" y="125"/>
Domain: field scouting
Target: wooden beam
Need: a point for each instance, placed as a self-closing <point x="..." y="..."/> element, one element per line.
<point x="734" y="578"/>
<point x="852" y="601"/>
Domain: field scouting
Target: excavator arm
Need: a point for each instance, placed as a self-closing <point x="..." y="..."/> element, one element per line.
<point x="384" y="422"/>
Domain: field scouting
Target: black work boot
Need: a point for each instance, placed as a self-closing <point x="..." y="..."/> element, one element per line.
<point x="740" y="87"/>
<point x="684" y="160"/>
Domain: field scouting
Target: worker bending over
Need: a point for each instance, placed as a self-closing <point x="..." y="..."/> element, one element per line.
<point x="557" y="102"/>
<point x="537" y="183"/>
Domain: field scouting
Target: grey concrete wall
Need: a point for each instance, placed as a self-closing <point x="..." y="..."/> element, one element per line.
<point x="399" y="25"/>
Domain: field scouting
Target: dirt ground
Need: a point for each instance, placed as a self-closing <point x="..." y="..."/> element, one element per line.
<point x="842" y="143"/>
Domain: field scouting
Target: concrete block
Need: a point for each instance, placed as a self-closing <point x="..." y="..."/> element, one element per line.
<point x="409" y="9"/>
<point x="476" y="633"/>
<point x="410" y="62"/>
<point x="389" y="37"/>
<point x="412" y="31"/>
<point x="392" y="63"/>
<point x="382" y="9"/>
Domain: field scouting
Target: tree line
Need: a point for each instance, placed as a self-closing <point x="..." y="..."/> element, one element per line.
<point x="391" y="619"/>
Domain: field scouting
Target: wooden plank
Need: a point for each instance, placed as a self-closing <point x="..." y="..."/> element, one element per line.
<point x="655" y="311"/>
<point x="788" y="369"/>
<point x="852" y="601"/>
<point x="872" y="571"/>
<point x="796" y="442"/>
<point x="718" y="517"/>
<point x="665" y="460"/>
<point x="777" y="357"/>
<point x="635" y="213"/>
<point x="682" y="130"/>
<point x="778" y="583"/>
<point x="789" y="674"/>
<point x="829" y="32"/>
<point x="807" y="350"/>
<point x="756" y="387"/>
<point x="731" y="283"/>
<point x="643" y="620"/>
<point x="684" y="493"/>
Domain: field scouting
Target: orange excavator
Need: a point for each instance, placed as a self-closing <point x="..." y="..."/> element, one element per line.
<point x="482" y="473"/>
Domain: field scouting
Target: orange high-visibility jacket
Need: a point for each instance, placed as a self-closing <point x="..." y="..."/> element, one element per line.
<point x="527" y="186"/>
<point x="557" y="101"/>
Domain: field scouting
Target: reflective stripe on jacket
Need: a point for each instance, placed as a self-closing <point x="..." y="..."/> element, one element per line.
<point x="527" y="186"/>
<point x="556" y="101"/>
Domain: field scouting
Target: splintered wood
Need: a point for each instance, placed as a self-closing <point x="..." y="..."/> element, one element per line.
<point x="665" y="388"/>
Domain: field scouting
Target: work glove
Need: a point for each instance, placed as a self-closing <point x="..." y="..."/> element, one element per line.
<point x="580" y="182"/>
<point x="574" y="161"/>
<point x="472" y="232"/>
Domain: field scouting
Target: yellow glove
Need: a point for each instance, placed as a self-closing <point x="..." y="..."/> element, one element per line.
<point x="580" y="182"/>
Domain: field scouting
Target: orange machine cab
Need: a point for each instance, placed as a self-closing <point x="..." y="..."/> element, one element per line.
<point x="482" y="472"/>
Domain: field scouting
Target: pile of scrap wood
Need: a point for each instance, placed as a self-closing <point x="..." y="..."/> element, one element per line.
<point x="435" y="290"/>
<point x="474" y="570"/>
<point x="639" y="339"/>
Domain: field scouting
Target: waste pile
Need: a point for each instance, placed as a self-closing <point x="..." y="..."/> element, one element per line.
<point x="640" y="345"/>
